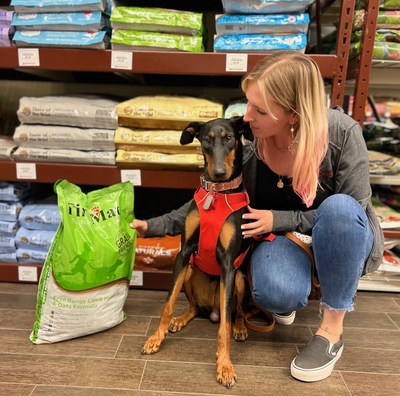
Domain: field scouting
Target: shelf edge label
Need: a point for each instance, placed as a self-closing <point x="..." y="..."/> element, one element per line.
<point x="121" y="60"/>
<point x="236" y="63"/>
<point x="132" y="175"/>
<point x="26" y="170"/>
<point x="27" y="274"/>
<point x="28" y="57"/>
<point x="137" y="278"/>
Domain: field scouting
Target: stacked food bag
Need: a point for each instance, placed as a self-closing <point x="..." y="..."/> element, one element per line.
<point x="158" y="253"/>
<point x="6" y="30"/>
<point x="11" y="204"/>
<point x="149" y="130"/>
<point x="38" y="225"/>
<point x="141" y="28"/>
<point x="389" y="220"/>
<point x="75" y="129"/>
<point x="60" y="23"/>
<point x="387" y="37"/>
<point x="262" y="26"/>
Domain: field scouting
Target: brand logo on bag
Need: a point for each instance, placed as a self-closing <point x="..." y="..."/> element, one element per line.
<point x="95" y="214"/>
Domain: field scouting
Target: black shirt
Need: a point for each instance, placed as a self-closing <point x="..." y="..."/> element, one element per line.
<point x="270" y="196"/>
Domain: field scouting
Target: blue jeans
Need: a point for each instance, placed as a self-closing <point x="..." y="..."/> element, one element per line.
<point x="342" y="241"/>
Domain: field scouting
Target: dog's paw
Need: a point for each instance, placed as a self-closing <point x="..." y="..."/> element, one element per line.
<point x="176" y="325"/>
<point x="226" y="375"/>
<point x="151" y="346"/>
<point x="240" y="333"/>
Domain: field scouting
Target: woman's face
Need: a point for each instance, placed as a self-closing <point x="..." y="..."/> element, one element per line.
<point x="263" y="124"/>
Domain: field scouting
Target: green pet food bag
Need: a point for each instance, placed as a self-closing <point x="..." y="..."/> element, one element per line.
<point x="85" y="278"/>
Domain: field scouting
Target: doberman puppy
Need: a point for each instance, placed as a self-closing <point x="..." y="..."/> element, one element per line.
<point x="207" y="270"/>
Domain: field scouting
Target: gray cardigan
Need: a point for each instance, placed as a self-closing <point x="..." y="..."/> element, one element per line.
<point x="344" y="170"/>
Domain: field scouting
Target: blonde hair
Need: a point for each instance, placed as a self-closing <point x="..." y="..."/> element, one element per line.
<point x="293" y="81"/>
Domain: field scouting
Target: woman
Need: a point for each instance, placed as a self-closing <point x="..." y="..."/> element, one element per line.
<point x="306" y="171"/>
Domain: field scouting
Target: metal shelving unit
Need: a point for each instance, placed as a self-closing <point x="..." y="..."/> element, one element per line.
<point x="335" y="69"/>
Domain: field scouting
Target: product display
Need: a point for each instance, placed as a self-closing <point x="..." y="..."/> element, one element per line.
<point x="65" y="156"/>
<point x="262" y="24"/>
<point x="27" y="6"/>
<point x="154" y="160"/>
<point x="64" y="21"/>
<point x="58" y="137"/>
<point x="166" y="112"/>
<point x="157" y="20"/>
<point x="6" y="29"/>
<point x="156" y="253"/>
<point x="265" y="6"/>
<point x="36" y="38"/>
<point x="132" y="147"/>
<point x="78" y="111"/>
<point x="152" y="41"/>
<point x="162" y="141"/>
<point x="260" y="42"/>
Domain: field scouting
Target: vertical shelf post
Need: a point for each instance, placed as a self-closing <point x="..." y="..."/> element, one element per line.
<point x="365" y="60"/>
<point x="342" y="50"/>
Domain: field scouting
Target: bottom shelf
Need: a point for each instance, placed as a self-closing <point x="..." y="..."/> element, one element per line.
<point x="380" y="281"/>
<point x="14" y="272"/>
<point x="161" y="280"/>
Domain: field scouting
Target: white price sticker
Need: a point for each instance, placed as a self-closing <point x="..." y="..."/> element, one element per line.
<point x="27" y="274"/>
<point x="236" y="62"/>
<point x="132" y="175"/>
<point x="121" y="60"/>
<point x="137" y="278"/>
<point x="26" y="171"/>
<point x="28" y="57"/>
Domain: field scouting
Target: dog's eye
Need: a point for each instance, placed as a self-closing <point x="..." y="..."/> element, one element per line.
<point x="207" y="141"/>
<point x="228" y="138"/>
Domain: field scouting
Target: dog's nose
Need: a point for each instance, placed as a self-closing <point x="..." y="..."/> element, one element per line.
<point x="219" y="173"/>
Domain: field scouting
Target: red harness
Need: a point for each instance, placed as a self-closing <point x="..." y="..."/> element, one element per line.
<point x="214" y="209"/>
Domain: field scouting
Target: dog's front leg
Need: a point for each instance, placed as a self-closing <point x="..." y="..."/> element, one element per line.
<point x="153" y="344"/>
<point x="240" y="332"/>
<point x="225" y="371"/>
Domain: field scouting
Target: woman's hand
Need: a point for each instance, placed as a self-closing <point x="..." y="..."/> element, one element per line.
<point x="256" y="222"/>
<point x="140" y="226"/>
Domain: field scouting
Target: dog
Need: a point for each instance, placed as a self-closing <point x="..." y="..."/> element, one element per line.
<point x="217" y="288"/>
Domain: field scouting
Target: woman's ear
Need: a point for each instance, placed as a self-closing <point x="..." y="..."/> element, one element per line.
<point x="294" y="118"/>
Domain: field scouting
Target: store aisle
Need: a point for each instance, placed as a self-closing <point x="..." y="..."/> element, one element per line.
<point x="110" y="363"/>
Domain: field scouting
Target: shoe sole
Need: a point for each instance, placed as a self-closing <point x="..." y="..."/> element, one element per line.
<point x="285" y="320"/>
<point x="313" y="375"/>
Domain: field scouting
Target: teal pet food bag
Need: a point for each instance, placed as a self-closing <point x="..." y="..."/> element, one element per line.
<point x="85" y="278"/>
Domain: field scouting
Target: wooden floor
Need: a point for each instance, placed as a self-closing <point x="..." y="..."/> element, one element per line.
<point x="110" y="363"/>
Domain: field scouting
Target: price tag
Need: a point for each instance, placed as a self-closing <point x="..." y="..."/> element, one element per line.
<point x="236" y="62"/>
<point x="121" y="60"/>
<point x="27" y="274"/>
<point x="28" y="57"/>
<point x="137" y="278"/>
<point x="132" y="175"/>
<point x="26" y="170"/>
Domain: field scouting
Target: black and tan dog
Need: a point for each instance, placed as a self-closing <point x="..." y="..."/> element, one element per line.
<point x="207" y="270"/>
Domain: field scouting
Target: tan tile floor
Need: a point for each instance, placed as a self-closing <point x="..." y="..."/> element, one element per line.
<point x="110" y="363"/>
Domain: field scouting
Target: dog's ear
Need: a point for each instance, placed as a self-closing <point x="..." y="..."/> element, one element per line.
<point x="191" y="131"/>
<point x="242" y="127"/>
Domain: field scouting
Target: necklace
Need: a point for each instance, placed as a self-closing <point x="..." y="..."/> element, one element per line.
<point x="280" y="183"/>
